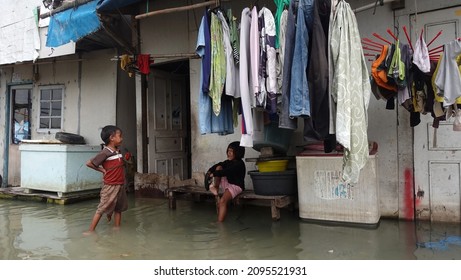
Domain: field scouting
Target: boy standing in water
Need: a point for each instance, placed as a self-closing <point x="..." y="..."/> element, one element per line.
<point x="110" y="163"/>
<point x="230" y="175"/>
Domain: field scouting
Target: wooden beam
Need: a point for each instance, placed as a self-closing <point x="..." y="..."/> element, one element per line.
<point x="175" y="55"/>
<point x="63" y="7"/>
<point x="179" y="9"/>
<point x="122" y="42"/>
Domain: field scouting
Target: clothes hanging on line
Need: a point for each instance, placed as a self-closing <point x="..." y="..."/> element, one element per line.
<point x="350" y="91"/>
<point x="419" y="90"/>
<point x="136" y="63"/>
<point x="209" y="122"/>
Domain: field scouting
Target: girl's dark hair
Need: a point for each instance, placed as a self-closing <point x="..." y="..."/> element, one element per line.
<point x="107" y="132"/>
<point x="239" y="151"/>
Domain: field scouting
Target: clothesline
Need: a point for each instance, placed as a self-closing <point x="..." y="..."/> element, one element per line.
<point x="216" y="3"/>
<point x="159" y="56"/>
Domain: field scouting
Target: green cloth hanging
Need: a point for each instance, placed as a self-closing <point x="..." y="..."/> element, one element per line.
<point x="281" y="5"/>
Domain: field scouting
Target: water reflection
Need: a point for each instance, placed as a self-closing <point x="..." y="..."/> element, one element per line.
<point x="30" y="230"/>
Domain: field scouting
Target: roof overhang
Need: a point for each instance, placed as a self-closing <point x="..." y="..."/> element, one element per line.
<point x="73" y="24"/>
<point x="88" y="24"/>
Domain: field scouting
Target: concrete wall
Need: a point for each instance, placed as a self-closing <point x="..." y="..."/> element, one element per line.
<point x="90" y="102"/>
<point x="126" y="109"/>
<point x="383" y="125"/>
<point x="4" y="73"/>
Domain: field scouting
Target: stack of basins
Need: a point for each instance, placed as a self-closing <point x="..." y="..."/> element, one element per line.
<point x="273" y="177"/>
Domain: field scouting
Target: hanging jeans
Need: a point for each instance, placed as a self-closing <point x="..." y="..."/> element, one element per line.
<point x="284" y="119"/>
<point x="299" y="94"/>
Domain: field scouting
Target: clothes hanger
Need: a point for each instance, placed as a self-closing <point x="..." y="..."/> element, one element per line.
<point x="373" y="42"/>
<point x="370" y="49"/>
<point x="370" y="45"/>
<point x="381" y="38"/>
<point x="436" y="50"/>
<point x="408" y="37"/>
<point x="436" y="36"/>
<point x="392" y="34"/>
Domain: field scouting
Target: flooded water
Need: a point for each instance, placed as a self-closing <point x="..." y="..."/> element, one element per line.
<point x="151" y="231"/>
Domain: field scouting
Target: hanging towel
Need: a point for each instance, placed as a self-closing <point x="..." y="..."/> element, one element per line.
<point x="350" y="90"/>
<point x="218" y="63"/>
<point x="229" y="56"/>
<point x="448" y="80"/>
<point x="143" y="63"/>
<point x="282" y="6"/>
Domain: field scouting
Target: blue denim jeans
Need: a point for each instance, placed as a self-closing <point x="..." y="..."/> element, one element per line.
<point x="284" y="118"/>
<point x="208" y="121"/>
<point x="299" y="93"/>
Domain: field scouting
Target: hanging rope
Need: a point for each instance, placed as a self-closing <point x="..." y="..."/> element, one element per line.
<point x="381" y="3"/>
<point x="416" y="19"/>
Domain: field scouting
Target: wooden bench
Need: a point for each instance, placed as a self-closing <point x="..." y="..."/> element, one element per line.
<point x="277" y="202"/>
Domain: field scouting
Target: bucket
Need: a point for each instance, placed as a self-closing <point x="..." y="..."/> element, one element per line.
<point x="274" y="183"/>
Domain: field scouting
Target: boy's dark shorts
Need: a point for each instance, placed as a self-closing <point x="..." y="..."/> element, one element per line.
<point x="112" y="199"/>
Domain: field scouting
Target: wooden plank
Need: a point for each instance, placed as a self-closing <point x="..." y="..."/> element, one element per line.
<point x="171" y="200"/>
<point x="179" y="9"/>
<point x="277" y="201"/>
<point x="275" y="211"/>
<point x="284" y="201"/>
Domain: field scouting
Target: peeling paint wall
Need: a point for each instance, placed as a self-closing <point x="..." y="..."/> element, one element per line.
<point x="18" y="31"/>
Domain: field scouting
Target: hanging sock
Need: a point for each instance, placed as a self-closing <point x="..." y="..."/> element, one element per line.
<point x="415" y="119"/>
<point x="390" y="104"/>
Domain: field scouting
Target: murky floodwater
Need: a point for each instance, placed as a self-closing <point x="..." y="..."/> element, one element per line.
<point x="150" y="230"/>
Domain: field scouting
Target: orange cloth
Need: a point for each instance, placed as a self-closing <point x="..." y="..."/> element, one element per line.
<point x="379" y="75"/>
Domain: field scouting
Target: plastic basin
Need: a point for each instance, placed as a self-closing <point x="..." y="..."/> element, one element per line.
<point x="272" y="165"/>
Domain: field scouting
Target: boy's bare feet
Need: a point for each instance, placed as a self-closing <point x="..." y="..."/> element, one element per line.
<point x="88" y="233"/>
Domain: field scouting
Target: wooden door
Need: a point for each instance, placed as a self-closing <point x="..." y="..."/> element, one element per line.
<point x="20" y="108"/>
<point x="437" y="158"/>
<point x="167" y="124"/>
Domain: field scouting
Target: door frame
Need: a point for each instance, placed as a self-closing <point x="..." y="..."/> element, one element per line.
<point x="175" y="68"/>
<point x="7" y="131"/>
